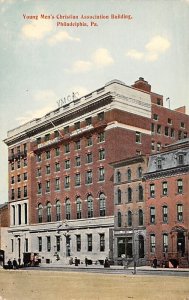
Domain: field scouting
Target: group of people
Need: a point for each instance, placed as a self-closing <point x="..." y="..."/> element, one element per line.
<point x="12" y="264"/>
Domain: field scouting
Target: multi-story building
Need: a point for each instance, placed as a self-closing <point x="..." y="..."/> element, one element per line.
<point x="167" y="205"/>
<point x="60" y="178"/>
<point x="4" y="224"/>
<point x="129" y="197"/>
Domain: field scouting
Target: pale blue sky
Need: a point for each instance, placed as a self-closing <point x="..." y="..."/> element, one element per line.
<point x="41" y="62"/>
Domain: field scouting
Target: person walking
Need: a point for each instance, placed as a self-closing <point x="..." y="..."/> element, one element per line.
<point x="9" y="263"/>
<point x="15" y="265"/>
<point x="86" y="261"/>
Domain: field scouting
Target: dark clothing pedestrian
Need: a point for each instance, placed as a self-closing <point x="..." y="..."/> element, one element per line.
<point x="106" y="263"/>
<point x="76" y="261"/>
<point x="9" y="263"/>
<point x="15" y="265"/>
<point x="155" y="262"/>
<point x="86" y="261"/>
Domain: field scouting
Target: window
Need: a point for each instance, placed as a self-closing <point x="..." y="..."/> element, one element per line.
<point x="152" y="127"/>
<point x="179" y="212"/>
<point x="140" y="217"/>
<point x="159" y="101"/>
<point x="12" y="194"/>
<point x="167" y="131"/>
<point x="169" y="121"/>
<point x="47" y="186"/>
<point x="129" y="175"/>
<point x="172" y="132"/>
<point x="179" y="186"/>
<point x="12" y="179"/>
<point x="39" y="243"/>
<point x="78" y="207"/>
<point x="165" y="214"/>
<point x="48" y="169"/>
<point x="25" y="162"/>
<point x="47" y="137"/>
<point x="119" y="219"/>
<point x="67" y="182"/>
<point x="89" y="158"/>
<point x="25" y="213"/>
<point x="89" y="177"/>
<point x="182" y="125"/>
<point x="38" y="140"/>
<point x="77" y="179"/>
<point x="57" y="184"/>
<point x="77" y="145"/>
<point x="164" y="188"/>
<point x="18" y="164"/>
<point x="101" y="174"/>
<point x="138" y="137"/>
<point x="180" y="135"/>
<point x="139" y="172"/>
<point x="152" y="190"/>
<point x="57" y="167"/>
<point x="89" y="141"/>
<point x="102" y="242"/>
<point x="129" y="218"/>
<point x="19" y="193"/>
<point x="165" y="242"/>
<point x="25" y="176"/>
<point x="152" y="243"/>
<point x="185" y="135"/>
<point x="77" y="125"/>
<point x="19" y="214"/>
<point x="101" y="137"/>
<point x="102" y="204"/>
<point x="67" y="148"/>
<point x="58" y="243"/>
<point x="18" y="178"/>
<point x="18" y="149"/>
<point x="118" y="177"/>
<point x="155" y="117"/>
<point x="90" y="206"/>
<point x="159" y="163"/>
<point x="25" y="191"/>
<point x="58" y="210"/>
<point x="118" y="196"/>
<point x="13" y="215"/>
<point x="101" y="154"/>
<point x="159" y="129"/>
<point x="101" y="116"/>
<point x="67" y="164"/>
<point x="56" y="133"/>
<point x="77" y="161"/>
<point x="180" y="159"/>
<point x="66" y="129"/>
<point x="89" y="242"/>
<point x="152" y="215"/>
<point x="152" y="145"/>
<point x="140" y="193"/>
<point x="78" y="242"/>
<point x="57" y="151"/>
<point x="12" y="166"/>
<point x="12" y="245"/>
<point x="40" y="213"/>
<point x="48" y="243"/>
<point x="48" y="154"/>
<point x="129" y="191"/>
<point x="88" y="121"/>
<point x="39" y="187"/>
<point x="49" y="212"/>
<point x="68" y="209"/>
<point x="38" y="157"/>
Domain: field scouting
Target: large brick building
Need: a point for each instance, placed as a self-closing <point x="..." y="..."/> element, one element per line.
<point x="167" y="205"/>
<point x="60" y="180"/>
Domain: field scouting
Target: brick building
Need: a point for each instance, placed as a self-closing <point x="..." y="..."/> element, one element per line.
<point x="4" y="224"/>
<point x="167" y="205"/>
<point x="60" y="178"/>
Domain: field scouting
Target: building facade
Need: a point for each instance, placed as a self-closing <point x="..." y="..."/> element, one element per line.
<point x="167" y="205"/>
<point x="61" y="197"/>
<point x="4" y="224"/>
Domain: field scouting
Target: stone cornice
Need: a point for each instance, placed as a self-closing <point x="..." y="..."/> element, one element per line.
<point x="167" y="172"/>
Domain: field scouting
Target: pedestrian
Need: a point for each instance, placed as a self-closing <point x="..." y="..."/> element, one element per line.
<point x="86" y="261"/>
<point x="155" y="262"/>
<point x="9" y="263"/>
<point x="15" y="265"/>
<point x="76" y="261"/>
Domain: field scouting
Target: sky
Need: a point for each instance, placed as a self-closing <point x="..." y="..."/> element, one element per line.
<point x="42" y="61"/>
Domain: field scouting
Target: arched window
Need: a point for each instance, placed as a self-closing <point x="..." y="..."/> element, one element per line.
<point x="78" y="207"/>
<point x="68" y="209"/>
<point x="129" y="218"/>
<point x="119" y="219"/>
<point x="118" y="177"/>
<point x="90" y="206"/>
<point x="129" y="174"/>
<point x="118" y="196"/>
<point x="140" y="217"/>
<point x="58" y="210"/>
<point x="129" y="194"/>
<point x="40" y="213"/>
<point x="139" y="172"/>
<point x="140" y="193"/>
<point x="48" y="212"/>
<point x="102" y="204"/>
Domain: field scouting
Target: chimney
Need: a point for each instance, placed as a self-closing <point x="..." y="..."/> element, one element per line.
<point x="142" y="84"/>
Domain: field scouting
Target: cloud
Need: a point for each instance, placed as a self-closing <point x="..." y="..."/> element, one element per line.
<point x="100" y="58"/>
<point x="61" y="37"/>
<point x="154" y="48"/>
<point x="37" y="29"/>
<point x="48" y="100"/>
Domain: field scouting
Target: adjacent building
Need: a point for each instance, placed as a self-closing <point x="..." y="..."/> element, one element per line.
<point x="61" y="189"/>
<point x="4" y="224"/>
<point x="167" y="205"/>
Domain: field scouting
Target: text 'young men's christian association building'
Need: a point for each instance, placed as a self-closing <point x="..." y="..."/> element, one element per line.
<point x="61" y="179"/>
